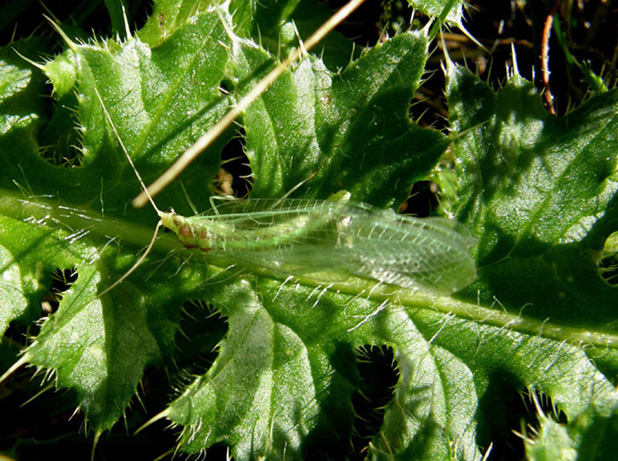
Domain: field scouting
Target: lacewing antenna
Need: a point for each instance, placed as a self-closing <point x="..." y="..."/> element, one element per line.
<point x="139" y="178"/>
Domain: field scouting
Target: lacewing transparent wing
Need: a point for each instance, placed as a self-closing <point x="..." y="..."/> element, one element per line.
<point x="331" y="241"/>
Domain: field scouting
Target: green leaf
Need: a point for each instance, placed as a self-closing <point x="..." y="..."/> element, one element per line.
<point x="538" y="193"/>
<point x="279" y="27"/>
<point x="590" y="435"/>
<point x="167" y="17"/>
<point x="449" y="11"/>
<point x="161" y="98"/>
<point x="100" y="347"/>
<point x="312" y="122"/>
<point x="540" y="196"/>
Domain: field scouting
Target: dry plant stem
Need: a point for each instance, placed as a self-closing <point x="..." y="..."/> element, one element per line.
<point x="201" y="144"/>
<point x="545" y="56"/>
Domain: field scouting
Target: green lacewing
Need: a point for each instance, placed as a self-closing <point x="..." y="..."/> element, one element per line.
<point x="331" y="241"/>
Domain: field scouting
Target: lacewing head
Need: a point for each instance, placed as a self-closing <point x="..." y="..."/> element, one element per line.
<point x="188" y="235"/>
